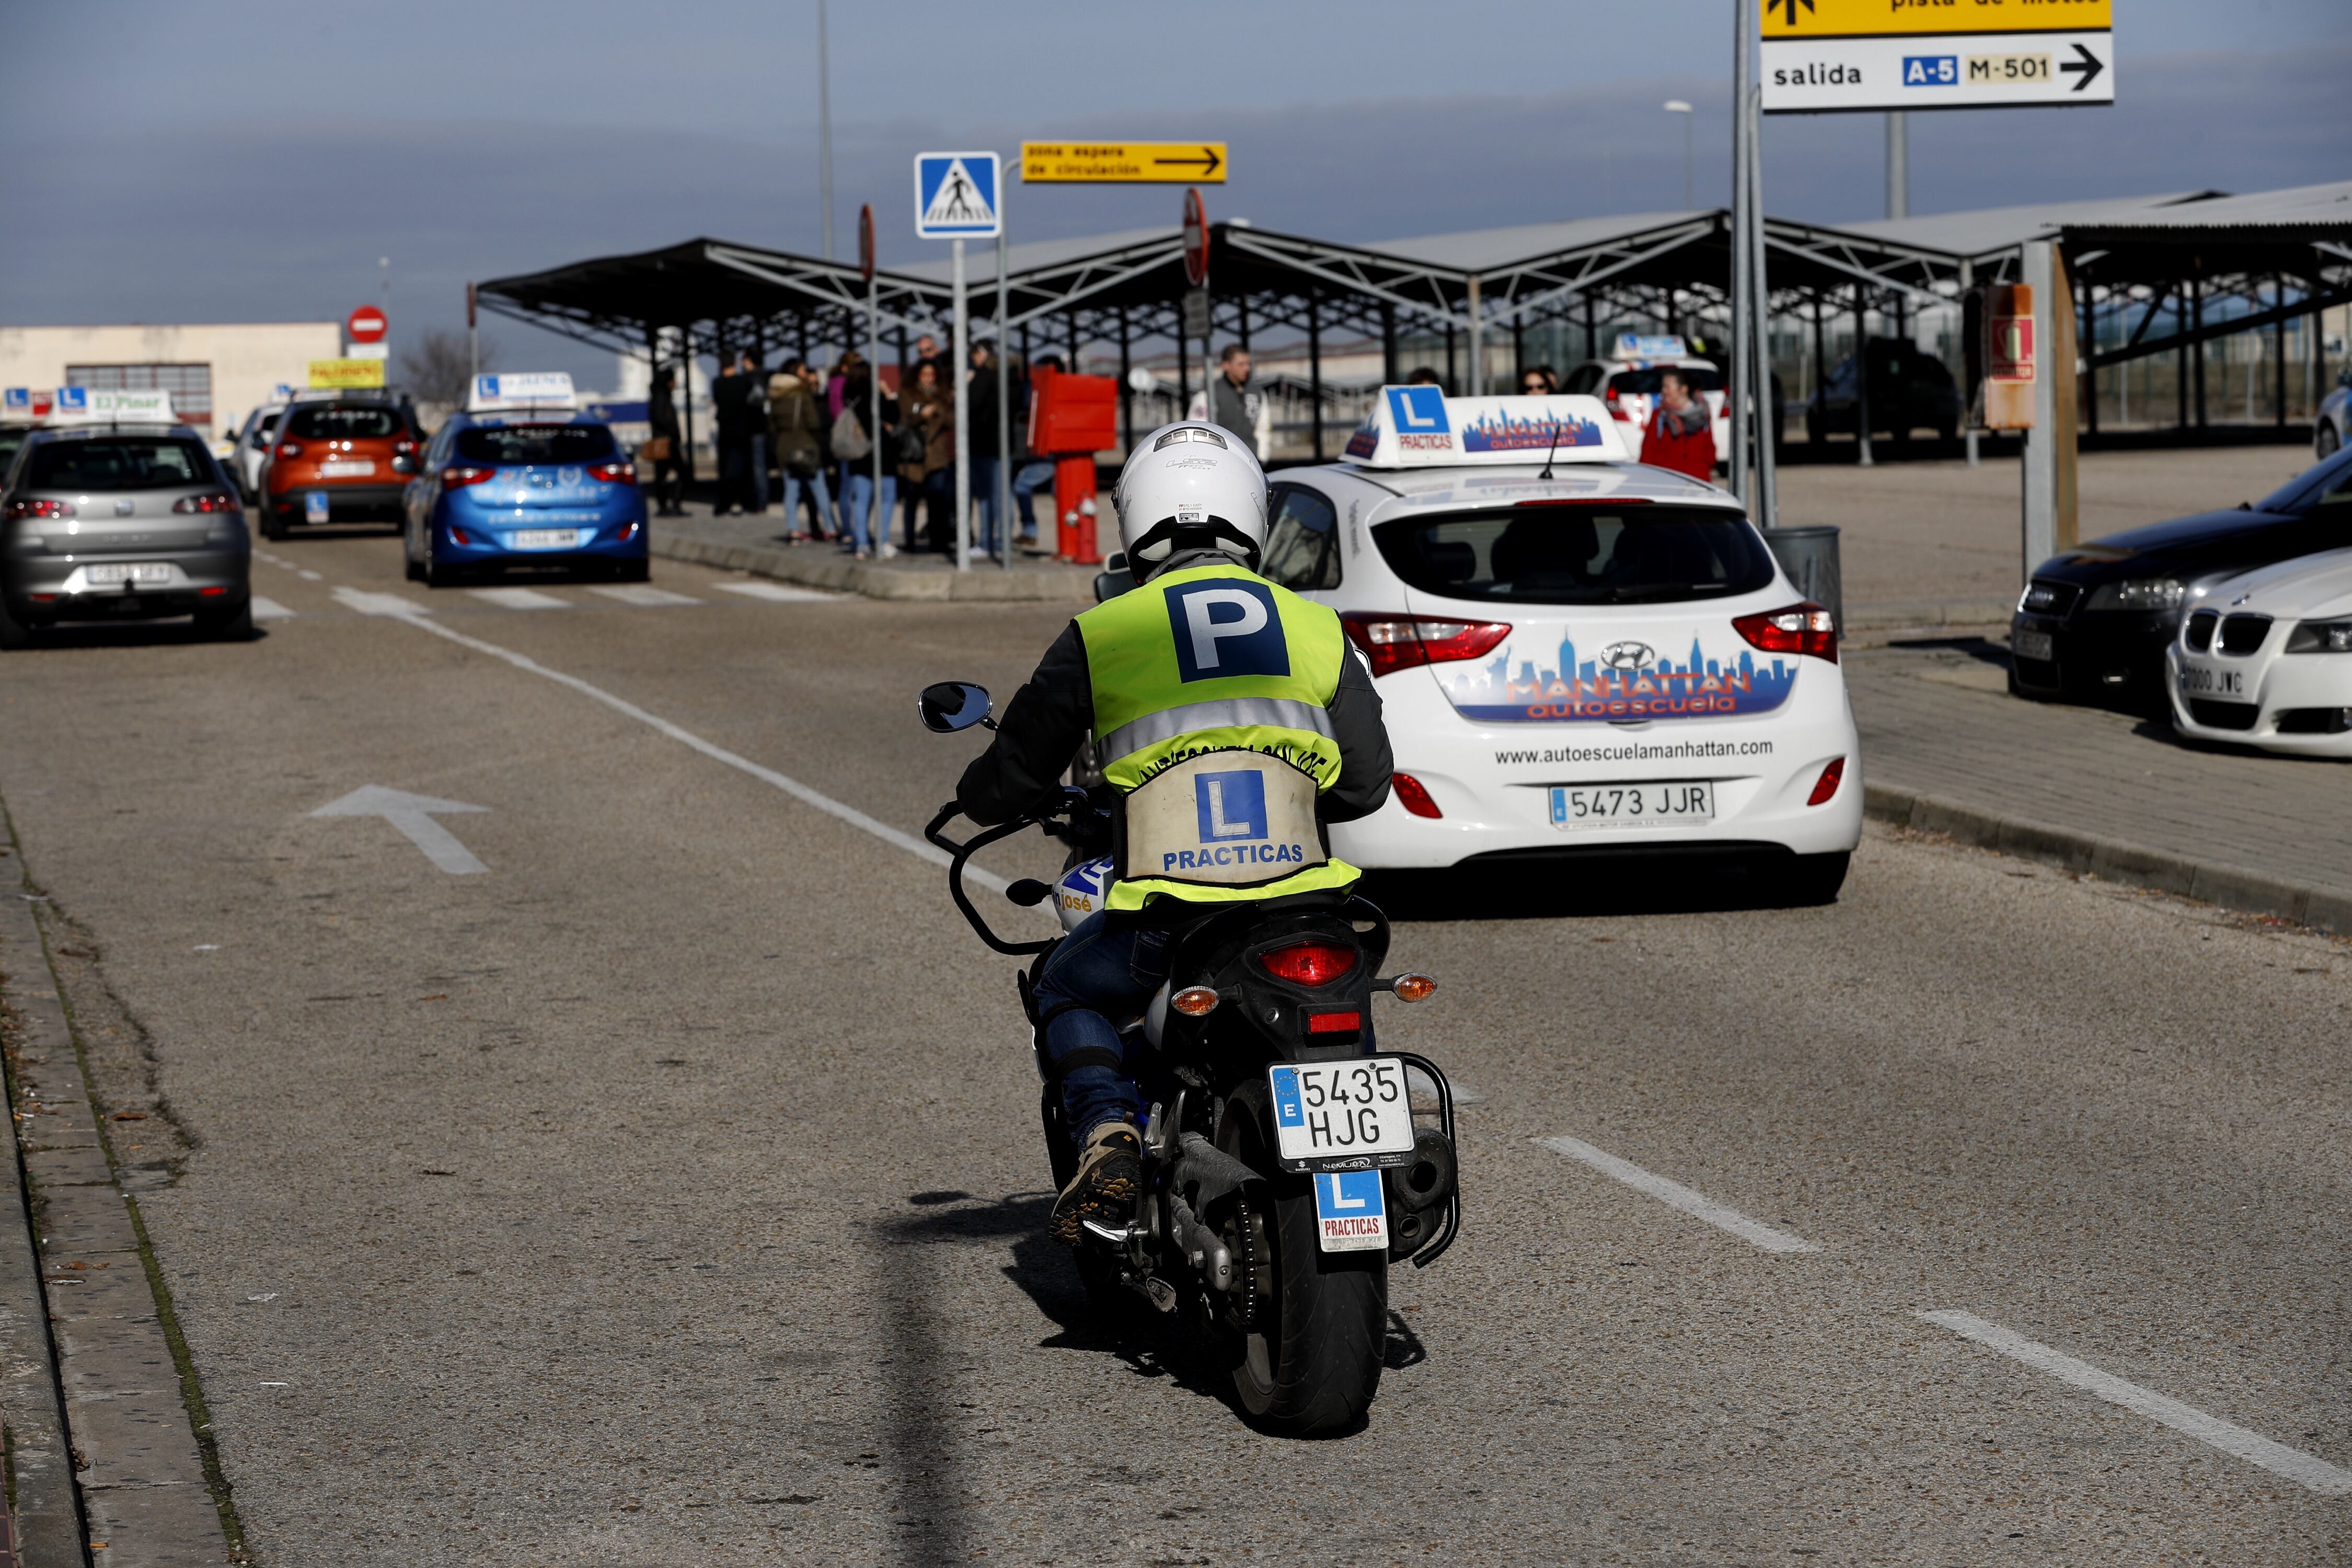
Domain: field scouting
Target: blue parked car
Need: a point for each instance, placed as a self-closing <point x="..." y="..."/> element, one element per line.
<point x="514" y="482"/>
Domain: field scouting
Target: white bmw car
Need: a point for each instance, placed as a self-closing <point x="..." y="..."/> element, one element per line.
<point x="1605" y="660"/>
<point x="2265" y="659"/>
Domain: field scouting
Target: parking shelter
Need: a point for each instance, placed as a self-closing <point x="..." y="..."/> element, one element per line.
<point x="2256" y="261"/>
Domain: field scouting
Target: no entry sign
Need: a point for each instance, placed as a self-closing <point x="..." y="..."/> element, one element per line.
<point x="365" y="325"/>
<point x="1196" y="241"/>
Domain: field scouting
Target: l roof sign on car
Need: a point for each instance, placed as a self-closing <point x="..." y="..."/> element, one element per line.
<point x="503" y="393"/>
<point x="1421" y="427"/>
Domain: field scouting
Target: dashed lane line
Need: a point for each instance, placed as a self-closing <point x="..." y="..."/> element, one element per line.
<point x="640" y="594"/>
<point x="775" y="591"/>
<point x="520" y="599"/>
<point x="265" y="609"/>
<point x="1755" y="1232"/>
<point x="2303" y="1469"/>
<point x="393" y="608"/>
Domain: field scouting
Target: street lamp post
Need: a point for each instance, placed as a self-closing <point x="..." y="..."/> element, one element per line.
<point x="1676" y="105"/>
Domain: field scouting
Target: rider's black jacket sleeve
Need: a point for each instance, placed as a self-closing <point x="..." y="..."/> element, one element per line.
<point x="1364" y="760"/>
<point x="1051" y="716"/>
<point x="1041" y="729"/>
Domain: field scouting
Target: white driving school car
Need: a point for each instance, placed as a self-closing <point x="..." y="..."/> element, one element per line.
<point x="2265" y="659"/>
<point x="1574" y="653"/>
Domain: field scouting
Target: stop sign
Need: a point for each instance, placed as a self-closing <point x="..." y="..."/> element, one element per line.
<point x="367" y="325"/>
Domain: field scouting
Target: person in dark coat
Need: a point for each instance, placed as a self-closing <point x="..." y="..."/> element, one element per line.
<point x="661" y="412"/>
<point x="739" y="405"/>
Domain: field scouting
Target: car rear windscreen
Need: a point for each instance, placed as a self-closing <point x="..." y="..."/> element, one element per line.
<point x="119" y="463"/>
<point x="1699" y="378"/>
<point x="507" y="444"/>
<point x="1577" y="554"/>
<point x="331" y="424"/>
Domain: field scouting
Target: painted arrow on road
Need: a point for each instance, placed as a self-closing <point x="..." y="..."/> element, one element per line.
<point x="413" y="815"/>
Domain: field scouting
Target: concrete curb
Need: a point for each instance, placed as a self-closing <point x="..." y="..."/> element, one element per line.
<point x="48" y="1520"/>
<point x="2133" y="865"/>
<point x="823" y="566"/>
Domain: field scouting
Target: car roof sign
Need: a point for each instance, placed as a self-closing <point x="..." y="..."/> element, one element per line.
<point x="1421" y="427"/>
<point x="497" y="393"/>
<point x="1651" y="345"/>
<point x="84" y="406"/>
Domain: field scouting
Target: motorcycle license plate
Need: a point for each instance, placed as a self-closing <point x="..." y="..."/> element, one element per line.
<point x="1344" y="1115"/>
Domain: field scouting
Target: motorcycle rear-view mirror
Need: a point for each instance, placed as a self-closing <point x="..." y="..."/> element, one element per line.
<point x="952" y="705"/>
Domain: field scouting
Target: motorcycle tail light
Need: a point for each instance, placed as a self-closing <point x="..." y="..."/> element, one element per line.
<point x="614" y="473"/>
<point x="1194" y="1001"/>
<point x="1414" y="796"/>
<point x="1827" y="785"/>
<point x="1308" y="963"/>
<point x="1335" y="1023"/>
<point x="1399" y="642"/>
<point x="1804" y="628"/>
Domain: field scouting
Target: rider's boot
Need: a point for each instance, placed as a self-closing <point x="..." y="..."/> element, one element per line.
<point x="1109" y="1171"/>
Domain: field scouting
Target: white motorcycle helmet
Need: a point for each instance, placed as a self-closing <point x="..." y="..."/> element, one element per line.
<point x="1186" y="486"/>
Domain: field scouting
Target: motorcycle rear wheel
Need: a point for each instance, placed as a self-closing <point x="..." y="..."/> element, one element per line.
<point x="1310" y="1362"/>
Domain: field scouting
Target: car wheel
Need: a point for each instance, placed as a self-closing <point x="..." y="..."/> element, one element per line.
<point x="227" y="625"/>
<point x="1816" y="879"/>
<point x="635" y="572"/>
<point x="13" y="632"/>
<point x="273" y="527"/>
<point x="1816" y="429"/>
<point x="2325" y="443"/>
<point x="1947" y="432"/>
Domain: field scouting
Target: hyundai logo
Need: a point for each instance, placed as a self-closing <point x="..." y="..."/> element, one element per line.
<point x="1628" y="655"/>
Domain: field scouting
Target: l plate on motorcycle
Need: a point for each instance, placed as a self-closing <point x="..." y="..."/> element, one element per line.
<point x="1343" y="1115"/>
<point x="1351" y="1212"/>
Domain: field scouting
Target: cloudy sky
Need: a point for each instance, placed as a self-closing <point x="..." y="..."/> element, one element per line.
<point x="251" y="161"/>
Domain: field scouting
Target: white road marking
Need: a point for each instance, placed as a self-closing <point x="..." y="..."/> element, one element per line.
<point x="413" y="815"/>
<point x="640" y="594"/>
<point x="1421" y="1083"/>
<point x="308" y="575"/>
<point x="1753" y="1231"/>
<point x="414" y="615"/>
<point x="775" y="591"/>
<point x="368" y="603"/>
<point x="271" y="610"/>
<point x="520" y="598"/>
<point x="2296" y="1465"/>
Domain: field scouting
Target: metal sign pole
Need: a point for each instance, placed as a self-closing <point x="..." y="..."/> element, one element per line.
<point x="1768" y="409"/>
<point x="1003" y="496"/>
<point x="960" y="353"/>
<point x="1743" y="19"/>
<point x="878" y="523"/>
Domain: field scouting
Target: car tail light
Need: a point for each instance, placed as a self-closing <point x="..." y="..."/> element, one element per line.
<point x="459" y="535"/>
<point x="214" y="501"/>
<point x="403" y="447"/>
<point x="1308" y="963"/>
<point x="626" y="532"/>
<point x="210" y="593"/>
<point x="1827" y="785"/>
<point x="1335" y="1023"/>
<point x="614" y="473"/>
<point x="290" y="448"/>
<point x="1399" y="642"/>
<point x="458" y="479"/>
<point x="1414" y="796"/>
<point x="1800" y="628"/>
<point x="40" y="509"/>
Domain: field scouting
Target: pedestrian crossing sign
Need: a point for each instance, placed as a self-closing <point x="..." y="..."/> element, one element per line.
<point x="955" y="195"/>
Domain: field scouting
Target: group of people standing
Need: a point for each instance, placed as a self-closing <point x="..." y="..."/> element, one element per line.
<point x="813" y="431"/>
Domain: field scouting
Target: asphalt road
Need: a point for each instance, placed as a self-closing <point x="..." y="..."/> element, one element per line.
<point x="669" y="1191"/>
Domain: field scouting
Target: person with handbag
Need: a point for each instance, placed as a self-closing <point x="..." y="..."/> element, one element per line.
<point x="853" y="444"/>
<point x="661" y="448"/>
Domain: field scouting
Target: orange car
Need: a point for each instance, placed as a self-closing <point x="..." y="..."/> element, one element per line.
<point x="346" y="458"/>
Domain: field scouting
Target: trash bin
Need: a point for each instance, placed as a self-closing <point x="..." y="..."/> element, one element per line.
<point x="1809" y="555"/>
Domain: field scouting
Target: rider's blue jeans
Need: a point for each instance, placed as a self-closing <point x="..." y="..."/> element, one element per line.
<point x="1110" y="972"/>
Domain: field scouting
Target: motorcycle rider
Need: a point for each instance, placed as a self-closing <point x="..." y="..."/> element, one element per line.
<point x="1234" y="720"/>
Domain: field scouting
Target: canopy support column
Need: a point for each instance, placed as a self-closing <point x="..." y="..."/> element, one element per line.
<point x="1125" y="393"/>
<point x="2197" y="325"/>
<point x="1862" y="377"/>
<point x="1388" y="343"/>
<point x="1315" y="367"/>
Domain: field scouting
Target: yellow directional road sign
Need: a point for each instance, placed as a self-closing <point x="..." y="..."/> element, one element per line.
<point x="1893" y="18"/>
<point x="1123" y="163"/>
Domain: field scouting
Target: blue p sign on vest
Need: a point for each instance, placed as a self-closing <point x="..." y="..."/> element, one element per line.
<point x="1224" y="627"/>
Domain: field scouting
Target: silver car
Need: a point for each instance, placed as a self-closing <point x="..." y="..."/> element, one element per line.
<point x="121" y="522"/>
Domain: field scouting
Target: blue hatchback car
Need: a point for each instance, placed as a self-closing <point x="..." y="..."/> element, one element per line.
<point x="525" y="488"/>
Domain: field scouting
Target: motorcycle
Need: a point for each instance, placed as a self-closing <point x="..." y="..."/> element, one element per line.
<point x="1287" y="1165"/>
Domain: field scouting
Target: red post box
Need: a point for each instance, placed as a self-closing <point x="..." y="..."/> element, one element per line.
<point x="1072" y="417"/>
